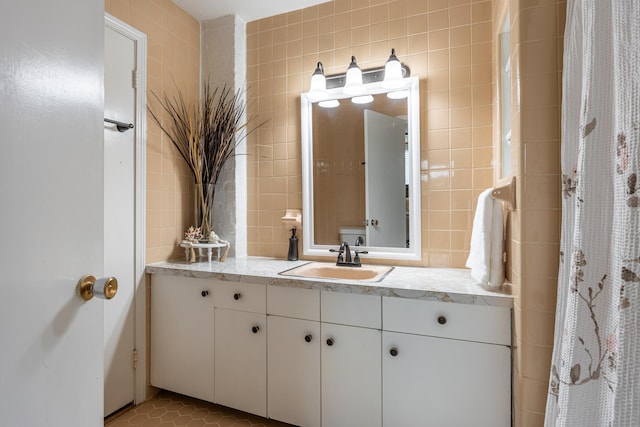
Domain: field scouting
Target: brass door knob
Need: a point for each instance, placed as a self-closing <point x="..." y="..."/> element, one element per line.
<point x="89" y="286"/>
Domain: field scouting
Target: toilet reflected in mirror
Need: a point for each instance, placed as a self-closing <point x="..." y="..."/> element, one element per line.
<point x="354" y="236"/>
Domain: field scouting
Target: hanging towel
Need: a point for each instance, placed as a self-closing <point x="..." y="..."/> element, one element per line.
<point x="485" y="256"/>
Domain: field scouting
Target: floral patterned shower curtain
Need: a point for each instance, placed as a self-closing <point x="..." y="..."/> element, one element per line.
<point x="595" y="374"/>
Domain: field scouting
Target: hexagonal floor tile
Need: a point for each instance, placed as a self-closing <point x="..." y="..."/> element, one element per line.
<point x="170" y="409"/>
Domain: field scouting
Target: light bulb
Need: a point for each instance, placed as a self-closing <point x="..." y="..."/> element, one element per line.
<point x="318" y="86"/>
<point x="353" y="85"/>
<point x="399" y="94"/>
<point x="362" y="99"/>
<point x="392" y="72"/>
<point x="330" y="103"/>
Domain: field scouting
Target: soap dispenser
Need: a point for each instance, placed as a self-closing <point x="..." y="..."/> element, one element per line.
<point x="293" y="246"/>
<point x="293" y="220"/>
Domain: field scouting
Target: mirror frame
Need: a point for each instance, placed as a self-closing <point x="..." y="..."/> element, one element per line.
<point x="414" y="252"/>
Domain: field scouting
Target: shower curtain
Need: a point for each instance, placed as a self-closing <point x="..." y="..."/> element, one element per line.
<point x="595" y="373"/>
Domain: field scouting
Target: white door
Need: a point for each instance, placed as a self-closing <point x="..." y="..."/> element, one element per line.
<point x="51" y="213"/>
<point x="385" y="180"/>
<point x="119" y="219"/>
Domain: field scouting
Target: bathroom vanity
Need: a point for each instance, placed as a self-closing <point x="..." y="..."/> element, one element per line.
<point x="422" y="346"/>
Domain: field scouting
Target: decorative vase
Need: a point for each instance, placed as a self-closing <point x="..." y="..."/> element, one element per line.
<point x="204" y="208"/>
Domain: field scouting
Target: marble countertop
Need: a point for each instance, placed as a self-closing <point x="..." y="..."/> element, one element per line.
<point x="440" y="284"/>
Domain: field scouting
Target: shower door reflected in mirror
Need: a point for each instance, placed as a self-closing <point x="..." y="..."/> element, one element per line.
<point x="387" y="202"/>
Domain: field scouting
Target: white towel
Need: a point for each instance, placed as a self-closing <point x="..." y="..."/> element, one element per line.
<point x="487" y="242"/>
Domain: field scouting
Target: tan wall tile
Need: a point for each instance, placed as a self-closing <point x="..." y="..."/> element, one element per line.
<point x="538" y="294"/>
<point x="481" y="11"/>
<point x="460" y="15"/>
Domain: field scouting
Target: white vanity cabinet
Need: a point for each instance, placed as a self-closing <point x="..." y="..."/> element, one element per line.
<point x="293" y="355"/>
<point x="331" y="358"/>
<point x="241" y="347"/>
<point x="445" y="364"/>
<point x="182" y="336"/>
<point x="351" y="360"/>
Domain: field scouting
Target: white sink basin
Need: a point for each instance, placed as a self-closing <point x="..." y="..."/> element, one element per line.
<point x="323" y="270"/>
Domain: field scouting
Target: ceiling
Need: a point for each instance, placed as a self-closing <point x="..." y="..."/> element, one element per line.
<point x="249" y="10"/>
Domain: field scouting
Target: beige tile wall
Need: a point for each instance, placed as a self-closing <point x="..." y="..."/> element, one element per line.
<point x="173" y="60"/>
<point x="537" y="30"/>
<point x="447" y="43"/>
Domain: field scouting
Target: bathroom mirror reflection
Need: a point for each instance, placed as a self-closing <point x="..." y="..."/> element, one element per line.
<point x="361" y="174"/>
<point x="505" y="98"/>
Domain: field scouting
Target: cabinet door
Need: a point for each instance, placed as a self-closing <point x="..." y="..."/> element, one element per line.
<point x="351" y="377"/>
<point x="182" y="336"/>
<point x="293" y="355"/>
<point x="442" y="382"/>
<point x="241" y="360"/>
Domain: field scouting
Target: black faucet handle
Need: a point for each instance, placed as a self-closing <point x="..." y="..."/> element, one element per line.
<point x="356" y="258"/>
<point x="340" y="252"/>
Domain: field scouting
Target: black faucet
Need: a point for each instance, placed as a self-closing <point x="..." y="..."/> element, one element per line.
<point x="346" y="260"/>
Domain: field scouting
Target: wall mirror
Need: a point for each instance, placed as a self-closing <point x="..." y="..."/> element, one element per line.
<point x="361" y="172"/>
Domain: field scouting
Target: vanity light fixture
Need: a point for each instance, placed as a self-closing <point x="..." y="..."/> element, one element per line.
<point x="353" y="85"/>
<point x="391" y="76"/>
<point x="318" y="87"/>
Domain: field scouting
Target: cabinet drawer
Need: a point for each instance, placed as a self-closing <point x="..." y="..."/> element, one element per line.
<point x="351" y="309"/>
<point x="447" y="320"/>
<point x="293" y="302"/>
<point x="241" y="296"/>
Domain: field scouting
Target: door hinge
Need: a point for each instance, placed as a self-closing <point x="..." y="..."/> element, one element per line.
<point x="134" y="79"/>
<point x="135" y="358"/>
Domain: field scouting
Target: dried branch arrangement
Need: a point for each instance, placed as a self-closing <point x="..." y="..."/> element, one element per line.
<point x="206" y="136"/>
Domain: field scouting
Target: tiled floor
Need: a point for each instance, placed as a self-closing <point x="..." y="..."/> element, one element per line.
<point x="169" y="409"/>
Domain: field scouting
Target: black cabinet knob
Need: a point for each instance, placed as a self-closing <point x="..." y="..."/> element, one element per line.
<point x="393" y="352"/>
<point x="442" y="320"/>
<point x="308" y="337"/>
<point x="330" y="342"/>
<point x="255" y="329"/>
<point x="204" y="293"/>
<point x="237" y="296"/>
